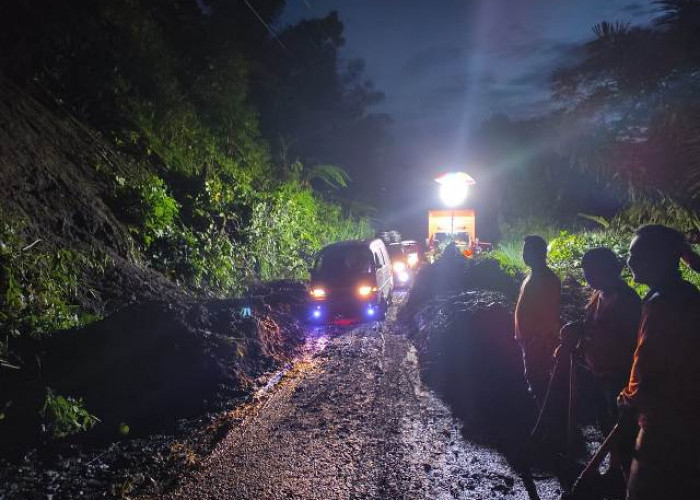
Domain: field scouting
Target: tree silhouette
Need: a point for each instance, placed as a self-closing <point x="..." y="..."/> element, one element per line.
<point x="634" y="102"/>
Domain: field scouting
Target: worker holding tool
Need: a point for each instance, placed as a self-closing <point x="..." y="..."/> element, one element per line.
<point x="609" y="335"/>
<point x="537" y="317"/>
<point x="664" y="385"/>
<point x="609" y="330"/>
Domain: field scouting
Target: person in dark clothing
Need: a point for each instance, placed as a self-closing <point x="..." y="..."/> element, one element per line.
<point x="537" y="317"/>
<point x="609" y="338"/>
<point x="664" y="385"/>
<point x="610" y="328"/>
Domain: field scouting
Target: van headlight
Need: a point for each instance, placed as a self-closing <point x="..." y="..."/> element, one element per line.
<point x="399" y="267"/>
<point x="412" y="259"/>
<point x="366" y="290"/>
<point x="318" y="293"/>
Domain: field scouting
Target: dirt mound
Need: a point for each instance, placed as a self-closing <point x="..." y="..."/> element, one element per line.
<point x="290" y="296"/>
<point x="468" y="355"/>
<point x="452" y="274"/>
<point x="151" y="364"/>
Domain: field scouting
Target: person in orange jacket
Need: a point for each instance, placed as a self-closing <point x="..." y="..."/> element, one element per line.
<point x="664" y="384"/>
<point x="537" y="317"/>
<point x="610" y="326"/>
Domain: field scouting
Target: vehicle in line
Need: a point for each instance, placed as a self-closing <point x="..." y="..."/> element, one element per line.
<point x="351" y="281"/>
<point x="414" y="254"/>
<point x="403" y="274"/>
<point x="458" y="226"/>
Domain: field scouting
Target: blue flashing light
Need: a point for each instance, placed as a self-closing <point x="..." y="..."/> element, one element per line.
<point x="370" y="311"/>
<point x="317" y="312"/>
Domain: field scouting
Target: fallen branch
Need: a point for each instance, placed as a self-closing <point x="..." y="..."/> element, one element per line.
<point x="5" y="364"/>
<point x="28" y="247"/>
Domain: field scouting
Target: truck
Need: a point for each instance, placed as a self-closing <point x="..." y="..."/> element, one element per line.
<point x="459" y="226"/>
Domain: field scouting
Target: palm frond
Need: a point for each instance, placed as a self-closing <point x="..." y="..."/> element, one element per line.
<point x="605" y="223"/>
<point x="331" y="175"/>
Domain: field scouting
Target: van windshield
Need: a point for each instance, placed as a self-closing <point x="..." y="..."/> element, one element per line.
<point x="395" y="251"/>
<point x="338" y="264"/>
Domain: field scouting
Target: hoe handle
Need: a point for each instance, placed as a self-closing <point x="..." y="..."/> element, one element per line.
<point x="600" y="454"/>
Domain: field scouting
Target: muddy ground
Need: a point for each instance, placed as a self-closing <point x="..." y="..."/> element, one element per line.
<point x="350" y="419"/>
<point x="353" y="421"/>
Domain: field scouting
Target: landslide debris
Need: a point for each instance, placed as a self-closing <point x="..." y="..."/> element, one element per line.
<point x="170" y="371"/>
<point x="150" y="364"/>
<point x="468" y="355"/>
<point x="461" y="312"/>
<point x="456" y="273"/>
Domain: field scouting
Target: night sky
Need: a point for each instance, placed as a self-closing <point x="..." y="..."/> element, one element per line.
<point x="446" y="65"/>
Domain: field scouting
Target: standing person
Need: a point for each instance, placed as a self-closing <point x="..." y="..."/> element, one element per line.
<point x="664" y="384"/>
<point x="610" y="328"/>
<point x="537" y="317"/>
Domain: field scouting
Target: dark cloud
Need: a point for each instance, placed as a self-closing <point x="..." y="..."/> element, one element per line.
<point x="423" y="62"/>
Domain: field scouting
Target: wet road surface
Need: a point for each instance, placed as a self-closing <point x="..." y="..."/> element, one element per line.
<point x="352" y="420"/>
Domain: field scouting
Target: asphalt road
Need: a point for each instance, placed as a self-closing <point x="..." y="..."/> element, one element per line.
<point x="353" y="421"/>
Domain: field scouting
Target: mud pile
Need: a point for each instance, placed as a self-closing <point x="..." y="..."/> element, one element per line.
<point x="288" y="296"/>
<point x="468" y="355"/>
<point x="455" y="274"/>
<point x="150" y="365"/>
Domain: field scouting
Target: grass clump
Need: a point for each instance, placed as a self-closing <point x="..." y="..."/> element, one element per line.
<point x="39" y="285"/>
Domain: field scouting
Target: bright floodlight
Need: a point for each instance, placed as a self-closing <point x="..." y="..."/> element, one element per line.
<point x="454" y="188"/>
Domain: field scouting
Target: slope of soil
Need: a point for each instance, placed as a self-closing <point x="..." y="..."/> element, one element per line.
<point x="53" y="177"/>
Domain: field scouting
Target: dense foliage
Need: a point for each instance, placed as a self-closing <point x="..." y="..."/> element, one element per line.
<point x="567" y="246"/>
<point x="180" y="88"/>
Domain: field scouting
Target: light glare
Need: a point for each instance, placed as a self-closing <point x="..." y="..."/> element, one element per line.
<point x="453" y="194"/>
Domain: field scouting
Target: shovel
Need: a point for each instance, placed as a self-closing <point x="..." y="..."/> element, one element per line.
<point x="578" y="490"/>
